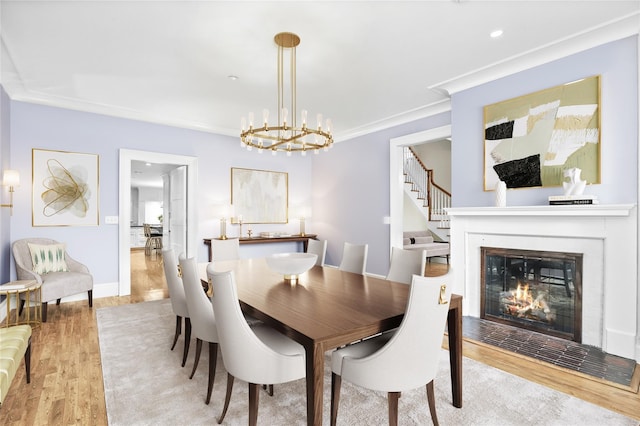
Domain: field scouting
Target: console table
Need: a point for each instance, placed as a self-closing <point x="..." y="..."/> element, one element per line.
<point x="304" y="239"/>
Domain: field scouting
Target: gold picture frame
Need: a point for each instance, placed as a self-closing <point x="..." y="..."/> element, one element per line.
<point x="65" y="188"/>
<point x="531" y="140"/>
<point x="259" y="196"/>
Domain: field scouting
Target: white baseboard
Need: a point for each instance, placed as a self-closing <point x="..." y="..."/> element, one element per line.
<point x="99" y="291"/>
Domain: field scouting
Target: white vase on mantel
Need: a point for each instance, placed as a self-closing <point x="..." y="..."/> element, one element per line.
<point x="501" y="194"/>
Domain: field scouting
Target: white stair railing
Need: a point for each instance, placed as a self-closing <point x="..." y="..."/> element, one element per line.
<point x="435" y="198"/>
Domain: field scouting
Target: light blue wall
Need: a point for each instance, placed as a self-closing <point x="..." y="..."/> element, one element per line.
<point x="351" y="192"/>
<point x="617" y="64"/>
<point x="5" y="163"/>
<point x="348" y="186"/>
<point x="36" y="126"/>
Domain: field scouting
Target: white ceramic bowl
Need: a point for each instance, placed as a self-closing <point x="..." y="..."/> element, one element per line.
<point x="291" y="264"/>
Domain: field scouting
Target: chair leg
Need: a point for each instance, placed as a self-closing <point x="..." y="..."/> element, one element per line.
<point x="268" y="389"/>
<point x="336" y="383"/>
<point x="254" y="396"/>
<point x="197" y="357"/>
<point x="90" y="294"/>
<point x="213" y="358"/>
<point x="187" y="340"/>
<point x="44" y="311"/>
<point x="227" y="397"/>
<point x="393" y="408"/>
<point x="27" y="361"/>
<point x="432" y="403"/>
<point x="178" y="331"/>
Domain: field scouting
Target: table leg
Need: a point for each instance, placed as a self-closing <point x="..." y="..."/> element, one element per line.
<point x="454" y="327"/>
<point x="315" y="381"/>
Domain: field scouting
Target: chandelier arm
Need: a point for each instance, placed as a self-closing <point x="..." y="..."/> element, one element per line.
<point x="292" y="71"/>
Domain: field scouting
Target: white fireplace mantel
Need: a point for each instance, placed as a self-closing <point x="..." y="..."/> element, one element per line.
<point x="606" y="235"/>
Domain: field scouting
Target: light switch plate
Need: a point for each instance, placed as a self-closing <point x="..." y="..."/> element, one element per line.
<point x="111" y="220"/>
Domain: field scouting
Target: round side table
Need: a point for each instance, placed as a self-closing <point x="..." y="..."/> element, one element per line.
<point x="32" y="312"/>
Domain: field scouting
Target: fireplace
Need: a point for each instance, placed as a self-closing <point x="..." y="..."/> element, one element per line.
<point x="605" y="235"/>
<point x="536" y="290"/>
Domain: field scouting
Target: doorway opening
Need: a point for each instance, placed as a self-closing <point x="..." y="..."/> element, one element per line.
<point x="187" y="220"/>
<point x="396" y="189"/>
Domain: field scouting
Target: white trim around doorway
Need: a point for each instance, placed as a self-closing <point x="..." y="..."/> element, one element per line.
<point x="126" y="157"/>
<point x="396" y="189"/>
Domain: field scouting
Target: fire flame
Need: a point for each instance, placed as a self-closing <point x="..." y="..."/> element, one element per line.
<point x="523" y="294"/>
<point x="521" y="303"/>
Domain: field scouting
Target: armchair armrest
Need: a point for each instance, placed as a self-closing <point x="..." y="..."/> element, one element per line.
<point x="74" y="265"/>
<point x="25" y="274"/>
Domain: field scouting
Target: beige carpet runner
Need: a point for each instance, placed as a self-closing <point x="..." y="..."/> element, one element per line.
<point x="145" y="385"/>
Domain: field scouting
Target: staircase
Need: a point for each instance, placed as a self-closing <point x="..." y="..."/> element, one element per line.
<point x="429" y="197"/>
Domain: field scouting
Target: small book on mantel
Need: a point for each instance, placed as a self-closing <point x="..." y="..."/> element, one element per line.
<point x="556" y="200"/>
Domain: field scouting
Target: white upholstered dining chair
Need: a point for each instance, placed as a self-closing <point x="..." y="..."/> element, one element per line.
<point x="203" y="321"/>
<point x="405" y="264"/>
<point x="257" y="355"/>
<point x="228" y="249"/>
<point x="318" y="247"/>
<point x="178" y="300"/>
<point x="354" y="258"/>
<point x="402" y="360"/>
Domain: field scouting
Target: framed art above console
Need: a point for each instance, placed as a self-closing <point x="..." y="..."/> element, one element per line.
<point x="259" y="196"/>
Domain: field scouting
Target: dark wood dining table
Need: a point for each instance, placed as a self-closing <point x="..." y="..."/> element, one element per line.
<point x="328" y="308"/>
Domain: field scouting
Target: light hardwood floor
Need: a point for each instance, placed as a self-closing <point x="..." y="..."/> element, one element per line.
<point x="66" y="374"/>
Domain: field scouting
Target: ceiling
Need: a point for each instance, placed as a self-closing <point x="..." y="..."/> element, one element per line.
<point x="146" y="174"/>
<point x="364" y="64"/>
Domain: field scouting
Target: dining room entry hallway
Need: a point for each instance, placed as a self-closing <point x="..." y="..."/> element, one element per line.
<point x="147" y="276"/>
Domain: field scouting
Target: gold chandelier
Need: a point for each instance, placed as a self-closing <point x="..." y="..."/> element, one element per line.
<point x="285" y="135"/>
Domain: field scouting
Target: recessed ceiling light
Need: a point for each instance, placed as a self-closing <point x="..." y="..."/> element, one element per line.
<point x="233" y="77"/>
<point x="147" y="164"/>
<point x="496" y="33"/>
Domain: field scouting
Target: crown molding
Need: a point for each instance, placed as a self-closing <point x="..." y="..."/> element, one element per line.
<point x="611" y="31"/>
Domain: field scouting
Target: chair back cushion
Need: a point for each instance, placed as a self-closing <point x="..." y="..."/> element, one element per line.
<point x="203" y="320"/>
<point x="405" y="264"/>
<point x="225" y="249"/>
<point x="246" y="356"/>
<point x="354" y="258"/>
<point x="410" y="358"/>
<point x="318" y="247"/>
<point x="48" y="258"/>
<point x="174" y="284"/>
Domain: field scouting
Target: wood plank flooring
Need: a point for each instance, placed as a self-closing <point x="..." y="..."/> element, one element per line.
<point x="66" y="375"/>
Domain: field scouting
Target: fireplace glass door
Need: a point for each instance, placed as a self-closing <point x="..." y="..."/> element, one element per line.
<point x="537" y="290"/>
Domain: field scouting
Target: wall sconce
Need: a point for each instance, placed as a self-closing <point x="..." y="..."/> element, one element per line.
<point x="10" y="178"/>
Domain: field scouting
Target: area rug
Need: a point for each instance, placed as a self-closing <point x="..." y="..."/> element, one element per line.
<point x="145" y="385"/>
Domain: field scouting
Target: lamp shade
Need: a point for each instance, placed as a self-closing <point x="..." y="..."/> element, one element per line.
<point x="10" y="178"/>
<point x="223" y="211"/>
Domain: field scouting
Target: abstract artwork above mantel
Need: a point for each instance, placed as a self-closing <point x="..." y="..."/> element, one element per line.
<point x="532" y="139"/>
